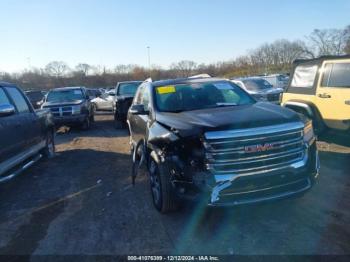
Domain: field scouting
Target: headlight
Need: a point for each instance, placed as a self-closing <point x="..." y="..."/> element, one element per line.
<point x="76" y="110"/>
<point x="308" y="132"/>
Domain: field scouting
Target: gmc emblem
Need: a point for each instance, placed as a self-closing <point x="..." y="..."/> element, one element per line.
<point x="259" y="148"/>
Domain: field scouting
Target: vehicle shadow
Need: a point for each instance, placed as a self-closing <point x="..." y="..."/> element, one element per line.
<point x="335" y="138"/>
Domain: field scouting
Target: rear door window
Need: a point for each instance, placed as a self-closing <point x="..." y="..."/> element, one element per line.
<point x="3" y="98"/>
<point x="336" y="75"/>
<point x="18" y="99"/>
<point x="304" y="76"/>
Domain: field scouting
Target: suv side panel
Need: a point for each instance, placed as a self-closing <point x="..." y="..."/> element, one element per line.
<point x="332" y="101"/>
<point x="331" y="104"/>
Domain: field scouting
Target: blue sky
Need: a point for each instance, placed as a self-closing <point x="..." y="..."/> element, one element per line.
<point x="111" y="32"/>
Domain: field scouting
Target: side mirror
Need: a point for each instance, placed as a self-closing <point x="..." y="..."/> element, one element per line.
<point x="7" y="110"/>
<point x="137" y="110"/>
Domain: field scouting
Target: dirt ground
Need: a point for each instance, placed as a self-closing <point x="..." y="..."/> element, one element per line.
<point x="82" y="202"/>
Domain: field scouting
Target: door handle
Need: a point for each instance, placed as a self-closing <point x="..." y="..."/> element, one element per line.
<point x="347" y="102"/>
<point x="324" y="95"/>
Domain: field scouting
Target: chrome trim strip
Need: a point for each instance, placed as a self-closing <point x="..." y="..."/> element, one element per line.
<point x="260" y="158"/>
<point x="21" y="169"/>
<point x="15" y="160"/>
<point x="283" y="145"/>
<point x="295" y="163"/>
<point x="263" y="189"/>
<point x="253" y="131"/>
<point x="256" y="138"/>
<point x="262" y="199"/>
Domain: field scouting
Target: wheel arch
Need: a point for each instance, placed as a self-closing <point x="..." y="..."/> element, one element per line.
<point x="308" y="106"/>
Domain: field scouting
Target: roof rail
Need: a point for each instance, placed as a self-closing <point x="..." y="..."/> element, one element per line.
<point x="200" y="76"/>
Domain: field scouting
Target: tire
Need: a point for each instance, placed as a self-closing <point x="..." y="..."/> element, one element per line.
<point x="50" y="148"/>
<point x="319" y="126"/>
<point x="317" y="122"/>
<point x="86" y="125"/>
<point x="94" y="107"/>
<point x="138" y="159"/>
<point x="163" y="195"/>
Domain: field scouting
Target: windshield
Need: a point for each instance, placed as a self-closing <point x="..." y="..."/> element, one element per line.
<point x="256" y="84"/>
<point x="128" y="88"/>
<point x="35" y="96"/>
<point x="65" y="95"/>
<point x="187" y="97"/>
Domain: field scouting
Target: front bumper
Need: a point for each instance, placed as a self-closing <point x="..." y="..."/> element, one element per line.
<point x="233" y="190"/>
<point x="70" y="120"/>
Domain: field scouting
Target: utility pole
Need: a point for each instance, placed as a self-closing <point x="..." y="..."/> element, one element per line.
<point x="149" y="60"/>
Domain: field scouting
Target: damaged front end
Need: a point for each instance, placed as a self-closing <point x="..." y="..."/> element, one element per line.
<point x="237" y="166"/>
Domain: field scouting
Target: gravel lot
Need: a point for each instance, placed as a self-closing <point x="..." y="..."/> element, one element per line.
<point x="82" y="202"/>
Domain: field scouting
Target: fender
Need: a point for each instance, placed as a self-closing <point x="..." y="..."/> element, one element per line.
<point x="137" y="165"/>
<point x="307" y="106"/>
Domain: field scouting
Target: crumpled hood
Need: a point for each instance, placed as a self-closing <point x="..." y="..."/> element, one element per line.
<point x="226" y="118"/>
<point x="70" y="103"/>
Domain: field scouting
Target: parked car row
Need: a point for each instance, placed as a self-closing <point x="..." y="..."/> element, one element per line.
<point x="260" y="89"/>
<point x="228" y="142"/>
<point x="70" y="106"/>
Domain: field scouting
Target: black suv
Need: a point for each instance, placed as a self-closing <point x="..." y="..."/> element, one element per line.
<point x="206" y="138"/>
<point x="70" y="106"/>
<point x="124" y="94"/>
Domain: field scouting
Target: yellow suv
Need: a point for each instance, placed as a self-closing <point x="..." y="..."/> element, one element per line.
<point x="320" y="89"/>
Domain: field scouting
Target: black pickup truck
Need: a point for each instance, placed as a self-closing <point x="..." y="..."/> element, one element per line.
<point x="124" y="94"/>
<point x="70" y="106"/>
<point x="25" y="135"/>
<point x="207" y="139"/>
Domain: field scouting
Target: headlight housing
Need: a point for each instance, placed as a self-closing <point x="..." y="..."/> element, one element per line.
<point x="260" y="97"/>
<point x="76" y="110"/>
<point x="309" y="135"/>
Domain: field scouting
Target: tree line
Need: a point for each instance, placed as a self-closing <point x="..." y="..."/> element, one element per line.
<point x="275" y="57"/>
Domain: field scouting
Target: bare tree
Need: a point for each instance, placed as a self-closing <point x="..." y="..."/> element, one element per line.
<point x="83" y="68"/>
<point x="329" y="41"/>
<point x="184" y="68"/>
<point x="56" y="68"/>
<point x="277" y="55"/>
<point x="347" y="40"/>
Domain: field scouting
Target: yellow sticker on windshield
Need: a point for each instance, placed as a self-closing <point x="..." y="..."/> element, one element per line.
<point x="166" y="90"/>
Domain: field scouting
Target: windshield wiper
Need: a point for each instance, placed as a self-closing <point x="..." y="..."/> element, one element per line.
<point x="226" y="104"/>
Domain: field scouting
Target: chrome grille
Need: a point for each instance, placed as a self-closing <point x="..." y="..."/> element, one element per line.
<point x="61" y="111"/>
<point x="273" y="97"/>
<point x="254" y="150"/>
